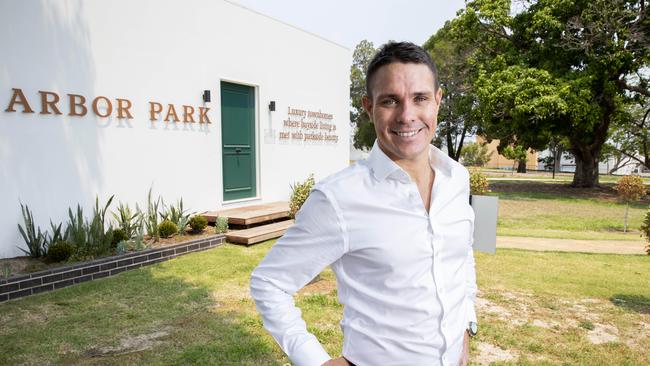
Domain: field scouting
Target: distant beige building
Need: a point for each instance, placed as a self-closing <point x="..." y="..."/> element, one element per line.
<point x="498" y="161"/>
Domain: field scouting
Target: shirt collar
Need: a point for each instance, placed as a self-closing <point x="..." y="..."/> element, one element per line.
<point x="382" y="166"/>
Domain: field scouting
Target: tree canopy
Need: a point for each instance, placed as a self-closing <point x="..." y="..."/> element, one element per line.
<point x="564" y="68"/>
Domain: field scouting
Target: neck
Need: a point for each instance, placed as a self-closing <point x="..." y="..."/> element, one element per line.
<point x="419" y="168"/>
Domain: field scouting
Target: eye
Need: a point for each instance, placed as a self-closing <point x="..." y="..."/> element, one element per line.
<point x="388" y="102"/>
<point x="421" y="98"/>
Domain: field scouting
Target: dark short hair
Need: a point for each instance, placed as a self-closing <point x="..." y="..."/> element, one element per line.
<point x="405" y="52"/>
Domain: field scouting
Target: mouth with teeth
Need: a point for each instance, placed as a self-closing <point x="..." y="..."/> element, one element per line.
<point x="410" y="133"/>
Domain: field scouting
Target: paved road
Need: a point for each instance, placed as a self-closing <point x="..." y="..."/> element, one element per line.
<point x="570" y="245"/>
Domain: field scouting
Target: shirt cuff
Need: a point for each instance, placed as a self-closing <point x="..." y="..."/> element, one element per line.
<point x="471" y="312"/>
<point x="310" y="353"/>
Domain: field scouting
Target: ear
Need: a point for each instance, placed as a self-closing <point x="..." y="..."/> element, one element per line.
<point x="367" y="105"/>
<point x="438" y="96"/>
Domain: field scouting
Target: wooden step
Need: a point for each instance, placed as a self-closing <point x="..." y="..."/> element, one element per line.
<point x="259" y="233"/>
<point x="251" y="214"/>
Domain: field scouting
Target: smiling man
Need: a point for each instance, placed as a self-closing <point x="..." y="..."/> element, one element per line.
<point x="396" y="230"/>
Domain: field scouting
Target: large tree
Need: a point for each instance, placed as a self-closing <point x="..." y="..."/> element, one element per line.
<point x="364" y="133"/>
<point x="557" y="68"/>
<point x="630" y="138"/>
<point x="458" y="114"/>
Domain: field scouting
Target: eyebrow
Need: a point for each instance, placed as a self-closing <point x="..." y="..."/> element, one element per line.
<point x="396" y="96"/>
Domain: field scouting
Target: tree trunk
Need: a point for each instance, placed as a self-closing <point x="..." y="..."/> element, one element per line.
<point x="521" y="167"/>
<point x="586" y="175"/>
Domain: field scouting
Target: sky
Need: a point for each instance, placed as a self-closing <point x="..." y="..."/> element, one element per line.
<point x="347" y="22"/>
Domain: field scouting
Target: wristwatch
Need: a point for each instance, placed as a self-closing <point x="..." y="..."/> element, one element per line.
<point x="472" y="329"/>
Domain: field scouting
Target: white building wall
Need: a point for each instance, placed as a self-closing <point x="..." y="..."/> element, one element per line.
<point x="163" y="51"/>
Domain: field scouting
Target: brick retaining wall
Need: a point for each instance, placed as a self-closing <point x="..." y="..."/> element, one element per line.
<point x="52" y="279"/>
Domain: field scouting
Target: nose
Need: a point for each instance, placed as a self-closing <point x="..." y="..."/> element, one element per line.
<point x="406" y="112"/>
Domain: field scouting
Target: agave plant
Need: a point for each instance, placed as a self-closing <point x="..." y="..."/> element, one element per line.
<point x="177" y="215"/>
<point x="151" y="216"/>
<point x="56" y="236"/>
<point x="33" y="236"/>
<point x="128" y="220"/>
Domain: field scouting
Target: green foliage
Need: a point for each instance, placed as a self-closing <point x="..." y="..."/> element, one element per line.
<point x="364" y="135"/>
<point x="76" y="229"/>
<point x="56" y="236"/>
<point x="32" y="236"/>
<point x="475" y="154"/>
<point x="136" y="243"/>
<point x="516" y="153"/>
<point x="299" y="194"/>
<point x="151" y="216"/>
<point x="645" y="230"/>
<point x="167" y="228"/>
<point x="458" y="112"/>
<point x="118" y="236"/>
<point x="221" y="225"/>
<point x="60" y="251"/>
<point x="177" y="215"/>
<point x="128" y="221"/>
<point x="478" y="183"/>
<point x="198" y="223"/>
<point x="556" y="68"/>
<point x="90" y="237"/>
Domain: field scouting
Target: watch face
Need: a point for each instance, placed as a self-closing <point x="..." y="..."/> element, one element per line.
<point x="473" y="328"/>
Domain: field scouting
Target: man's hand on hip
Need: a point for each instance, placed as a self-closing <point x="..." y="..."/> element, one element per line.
<point x="337" y="362"/>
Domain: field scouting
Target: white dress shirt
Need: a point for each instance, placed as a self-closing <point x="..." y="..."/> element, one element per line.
<point x="405" y="276"/>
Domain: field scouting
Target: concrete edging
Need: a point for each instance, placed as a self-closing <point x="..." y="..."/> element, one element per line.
<point x="57" y="278"/>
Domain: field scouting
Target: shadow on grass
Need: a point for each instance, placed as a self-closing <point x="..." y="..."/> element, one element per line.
<point x="156" y="315"/>
<point x="638" y="303"/>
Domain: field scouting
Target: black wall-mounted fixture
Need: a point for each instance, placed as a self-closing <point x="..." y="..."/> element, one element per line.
<point x="206" y="95"/>
<point x="272" y="106"/>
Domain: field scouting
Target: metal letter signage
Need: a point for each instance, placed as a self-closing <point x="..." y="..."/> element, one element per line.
<point x="103" y="107"/>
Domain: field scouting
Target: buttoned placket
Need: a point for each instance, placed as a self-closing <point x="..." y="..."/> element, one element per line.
<point x="439" y="285"/>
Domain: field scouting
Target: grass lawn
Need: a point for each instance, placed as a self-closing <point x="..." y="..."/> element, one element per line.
<point x="534" y="308"/>
<point x="525" y="209"/>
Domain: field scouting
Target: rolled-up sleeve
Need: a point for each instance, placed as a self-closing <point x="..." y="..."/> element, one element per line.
<point x="316" y="240"/>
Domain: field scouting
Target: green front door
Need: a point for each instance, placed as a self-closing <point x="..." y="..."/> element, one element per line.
<point x="238" y="141"/>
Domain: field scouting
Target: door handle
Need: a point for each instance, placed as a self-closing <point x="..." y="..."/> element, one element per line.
<point x="237" y="150"/>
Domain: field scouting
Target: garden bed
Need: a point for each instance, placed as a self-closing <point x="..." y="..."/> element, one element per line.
<point x="57" y="275"/>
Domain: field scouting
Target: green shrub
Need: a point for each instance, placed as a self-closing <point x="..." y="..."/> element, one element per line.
<point x="299" y="194"/>
<point x="60" y="251"/>
<point x="221" y="225"/>
<point x="135" y="243"/>
<point x="151" y="216"/>
<point x="56" y="236"/>
<point x="475" y="154"/>
<point x="118" y="236"/>
<point x="167" y="228"/>
<point x="630" y="188"/>
<point x="177" y="215"/>
<point x="90" y="238"/>
<point x="127" y="220"/>
<point x="478" y="183"/>
<point x="34" y="238"/>
<point x="198" y="223"/>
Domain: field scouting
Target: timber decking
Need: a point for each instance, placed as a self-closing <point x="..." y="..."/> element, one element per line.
<point x="252" y="214"/>
<point x="258" y="233"/>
